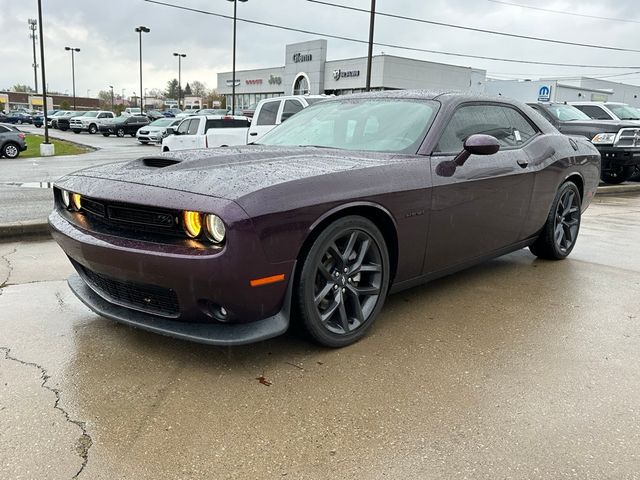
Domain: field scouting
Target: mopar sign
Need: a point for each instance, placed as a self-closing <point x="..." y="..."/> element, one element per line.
<point x="338" y="74"/>
<point x="544" y="94"/>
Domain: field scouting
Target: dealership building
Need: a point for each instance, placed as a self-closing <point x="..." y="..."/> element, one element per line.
<point x="306" y="70"/>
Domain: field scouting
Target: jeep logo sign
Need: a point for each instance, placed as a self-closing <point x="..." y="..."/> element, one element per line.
<point x="302" y="57"/>
<point x="338" y="74"/>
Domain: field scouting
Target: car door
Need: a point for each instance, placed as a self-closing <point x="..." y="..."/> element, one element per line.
<point x="265" y="120"/>
<point x="481" y="208"/>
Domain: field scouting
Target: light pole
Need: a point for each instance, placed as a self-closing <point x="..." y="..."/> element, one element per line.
<point x="88" y="92"/>
<point x="233" y="85"/>
<point x="370" y="53"/>
<point x="180" y="57"/>
<point x="33" y="25"/>
<point x="140" y="30"/>
<point x="44" y="86"/>
<point x="73" y="72"/>
<point x="111" y="87"/>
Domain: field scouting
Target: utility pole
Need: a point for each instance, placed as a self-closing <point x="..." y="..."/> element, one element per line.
<point x="233" y="86"/>
<point x="370" y="54"/>
<point x="44" y="83"/>
<point x="33" y="25"/>
<point x="111" y="87"/>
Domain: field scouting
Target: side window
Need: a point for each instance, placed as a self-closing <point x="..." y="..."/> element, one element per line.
<point x="291" y="107"/>
<point x="193" y="126"/>
<point x="3" y="129"/>
<point x="268" y="113"/>
<point x="508" y="125"/>
<point x="184" y="127"/>
<point x="594" y="112"/>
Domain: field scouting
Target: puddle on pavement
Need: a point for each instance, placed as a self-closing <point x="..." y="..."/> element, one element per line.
<point x="28" y="184"/>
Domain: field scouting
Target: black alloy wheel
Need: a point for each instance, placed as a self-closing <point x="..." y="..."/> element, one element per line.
<point x="343" y="282"/>
<point x="617" y="174"/>
<point x="10" y="150"/>
<point x="559" y="235"/>
<point x="93" y="129"/>
<point x="120" y="132"/>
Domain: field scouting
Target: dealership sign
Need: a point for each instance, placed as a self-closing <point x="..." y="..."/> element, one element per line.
<point x="544" y="94"/>
<point x="338" y="74"/>
<point x="257" y="81"/>
<point x="273" y="80"/>
<point x="302" y="57"/>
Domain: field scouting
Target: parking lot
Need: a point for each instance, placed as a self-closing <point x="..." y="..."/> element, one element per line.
<point x="519" y="368"/>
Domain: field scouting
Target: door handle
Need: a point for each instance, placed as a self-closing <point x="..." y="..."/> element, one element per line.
<point x="253" y="134"/>
<point x="523" y="163"/>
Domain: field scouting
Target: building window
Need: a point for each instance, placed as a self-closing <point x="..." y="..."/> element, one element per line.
<point x="301" y="85"/>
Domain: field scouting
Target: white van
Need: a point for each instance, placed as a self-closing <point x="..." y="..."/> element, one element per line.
<point x="129" y="111"/>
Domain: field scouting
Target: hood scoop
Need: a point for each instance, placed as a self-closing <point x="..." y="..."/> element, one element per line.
<point x="159" y="162"/>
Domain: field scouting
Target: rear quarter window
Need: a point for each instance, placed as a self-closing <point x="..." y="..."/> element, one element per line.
<point x="268" y="113"/>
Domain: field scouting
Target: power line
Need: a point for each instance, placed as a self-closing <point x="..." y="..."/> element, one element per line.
<point x="473" y="29"/>
<point x="573" y="14"/>
<point x="568" y="77"/>
<point x="389" y="45"/>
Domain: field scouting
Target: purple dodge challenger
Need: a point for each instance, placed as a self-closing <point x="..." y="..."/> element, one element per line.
<point x="345" y="202"/>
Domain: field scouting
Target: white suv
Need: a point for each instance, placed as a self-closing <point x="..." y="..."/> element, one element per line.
<point x="90" y="121"/>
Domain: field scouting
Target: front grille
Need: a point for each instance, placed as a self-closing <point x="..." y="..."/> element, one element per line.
<point x="146" y="298"/>
<point x="140" y="217"/>
<point x="628" y="137"/>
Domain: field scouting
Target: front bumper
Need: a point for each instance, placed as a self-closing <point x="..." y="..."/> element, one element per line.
<point x="197" y="279"/>
<point x="613" y="156"/>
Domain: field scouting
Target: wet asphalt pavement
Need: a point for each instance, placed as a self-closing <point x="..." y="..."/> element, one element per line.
<point x="518" y="368"/>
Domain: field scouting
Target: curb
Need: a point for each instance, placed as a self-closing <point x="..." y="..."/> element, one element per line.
<point x="29" y="228"/>
<point x="616" y="189"/>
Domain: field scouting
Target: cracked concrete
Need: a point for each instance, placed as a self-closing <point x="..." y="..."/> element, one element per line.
<point x="518" y="369"/>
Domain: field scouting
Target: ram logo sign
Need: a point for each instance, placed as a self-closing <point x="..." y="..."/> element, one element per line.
<point x="544" y="94"/>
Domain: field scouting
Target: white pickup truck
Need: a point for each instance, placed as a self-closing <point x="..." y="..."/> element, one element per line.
<point x="207" y="131"/>
<point x="227" y="130"/>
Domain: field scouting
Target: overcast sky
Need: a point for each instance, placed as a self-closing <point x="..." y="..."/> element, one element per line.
<point x="104" y="31"/>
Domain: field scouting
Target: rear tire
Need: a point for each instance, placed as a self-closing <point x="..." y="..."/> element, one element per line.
<point x="120" y="132"/>
<point x="617" y="175"/>
<point x="343" y="282"/>
<point x="636" y="174"/>
<point x="560" y="231"/>
<point x="10" y="150"/>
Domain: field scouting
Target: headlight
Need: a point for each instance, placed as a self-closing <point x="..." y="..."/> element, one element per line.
<point x="604" y="138"/>
<point x="215" y="228"/>
<point x="66" y="198"/>
<point x="192" y="223"/>
<point x="76" y="201"/>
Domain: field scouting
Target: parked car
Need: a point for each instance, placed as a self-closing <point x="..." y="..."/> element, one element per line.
<point x="12" y="141"/>
<point x="273" y="111"/>
<point x="154" y="114"/>
<point x="156" y="130"/>
<point x="249" y="111"/>
<point x="207" y="131"/>
<point x="172" y="112"/>
<point x="53" y="120"/>
<point x="122" y="126"/>
<point x="617" y="141"/>
<point x="202" y="111"/>
<point x="18" y="118"/>
<point x="130" y="111"/>
<point x="38" y="118"/>
<point x="63" y="122"/>
<point x="608" y="111"/>
<point x="346" y="201"/>
<point x="90" y="121"/>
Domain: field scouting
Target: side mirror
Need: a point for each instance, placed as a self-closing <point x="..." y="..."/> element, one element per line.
<point x="473" y="145"/>
<point x="171" y="131"/>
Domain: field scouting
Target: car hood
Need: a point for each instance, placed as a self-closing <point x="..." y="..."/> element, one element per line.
<point x="153" y="129"/>
<point x="233" y="173"/>
<point x="605" y="125"/>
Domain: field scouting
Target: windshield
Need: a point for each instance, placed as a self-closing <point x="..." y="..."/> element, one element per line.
<point x="378" y="125"/>
<point x="162" y="122"/>
<point x="133" y="110"/>
<point x="567" y="113"/>
<point x="625" y="112"/>
<point x="90" y="114"/>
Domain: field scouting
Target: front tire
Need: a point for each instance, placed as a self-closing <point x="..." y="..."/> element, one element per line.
<point x="93" y="129"/>
<point x="560" y="231"/>
<point x="343" y="282"/>
<point x="106" y="134"/>
<point x="618" y="174"/>
<point x="76" y="131"/>
<point x="120" y="132"/>
<point x="10" y="150"/>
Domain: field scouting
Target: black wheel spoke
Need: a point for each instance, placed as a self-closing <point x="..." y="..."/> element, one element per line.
<point x="364" y="290"/>
<point x="335" y="252"/>
<point x="326" y="274"/>
<point x="352" y="243"/>
<point x="357" y="308"/>
<point x="364" y="248"/>
<point x="370" y="267"/>
<point x="328" y="313"/>
<point x="344" y="319"/>
<point x="323" y="293"/>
